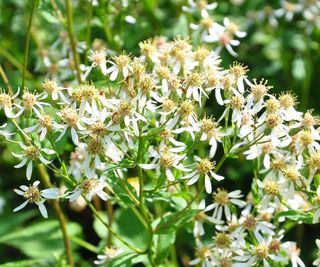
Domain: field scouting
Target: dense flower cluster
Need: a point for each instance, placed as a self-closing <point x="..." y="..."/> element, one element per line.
<point x="150" y="118"/>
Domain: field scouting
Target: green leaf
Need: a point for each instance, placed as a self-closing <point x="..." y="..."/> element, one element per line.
<point x="120" y="188"/>
<point x="40" y="240"/>
<point x="49" y="17"/>
<point x="128" y="226"/>
<point x="15" y="220"/>
<point x="297" y="216"/>
<point x="182" y="28"/>
<point x="173" y="221"/>
<point x="164" y="243"/>
<point x="123" y="260"/>
<point x="23" y="263"/>
<point x="99" y="227"/>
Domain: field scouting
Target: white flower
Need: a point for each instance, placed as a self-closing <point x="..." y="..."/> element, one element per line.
<point x="90" y="187"/>
<point x="108" y="254"/>
<point x="223" y="201"/>
<point x="200" y="218"/>
<point x="30" y="102"/>
<point x="7" y="104"/>
<point x="203" y="255"/>
<point x="98" y="59"/>
<point x="205" y="168"/>
<point x="71" y="119"/>
<point x="51" y="88"/>
<point x="293" y="253"/>
<point x="224" y="38"/>
<point x="166" y="159"/>
<point x="288" y="9"/>
<point x="201" y="6"/>
<point x="34" y="195"/>
<point x="45" y="124"/>
<point x="121" y="64"/>
<point x="32" y="153"/>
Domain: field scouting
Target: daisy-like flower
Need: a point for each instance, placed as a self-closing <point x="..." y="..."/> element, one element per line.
<point x="30" y="102"/>
<point x="45" y="125"/>
<point x="288" y="9"/>
<point x="98" y="59"/>
<point x="233" y="28"/>
<point x="317" y="261"/>
<point x="32" y="194"/>
<point x="71" y="119"/>
<point x="125" y="111"/>
<point x="287" y="102"/>
<point x="273" y="191"/>
<point x="121" y="64"/>
<point x="223" y="200"/>
<point x="8" y="105"/>
<point x="166" y="159"/>
<point x="201" y="217"/>
<point x="293" y="253"/>
<point x="207" y="26"/>
<point x="267" y="14"/>
<point x="194" y="87"/>
<point x="203" y="255"/>
<point x="32" y="153"/>
<point x="224" y="38"/>
<point x="163" y="75"/>
<point x="259" y="254"/>
<point x="108" y="254"/>
<point x="203" y="167"/>
<point x="211" y="132"/>
<point x="90" y="187"/>
<point x="250" y="223"/>
<point x="200" y="5"/>
<point x="51" y="87"/>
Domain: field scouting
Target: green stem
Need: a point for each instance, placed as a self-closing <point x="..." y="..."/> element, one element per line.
<point x="143" y="209"/>
<point x="72" y="39"/>
<point x="27" y="41"/>
<point x="90" y="11"/>
<point x="10" y="58"/>
<point x="84" y="244"/>
<point x="114" y="233"/>
<point x="55" y="205"/>
<point x="5" y="80"/>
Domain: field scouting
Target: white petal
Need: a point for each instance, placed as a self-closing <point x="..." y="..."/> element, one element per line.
<point x="50" y="193"/>
<point x="29" y="170"/>
<point x="148" y="166"/>
<point x="21" y="164"/>
<point x="170" y="175"/>
<point x="21" y="206"/>
<point x="42" y="209"/>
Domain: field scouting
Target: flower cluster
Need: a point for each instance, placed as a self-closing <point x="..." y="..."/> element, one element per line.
<point x="149" y="120"/>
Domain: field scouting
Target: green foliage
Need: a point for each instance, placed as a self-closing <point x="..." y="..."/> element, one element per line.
<point x="40" y="240"/>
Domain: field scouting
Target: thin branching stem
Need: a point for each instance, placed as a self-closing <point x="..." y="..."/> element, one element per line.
<point x="27" y="42"/>
<point x="72" y="39"/>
